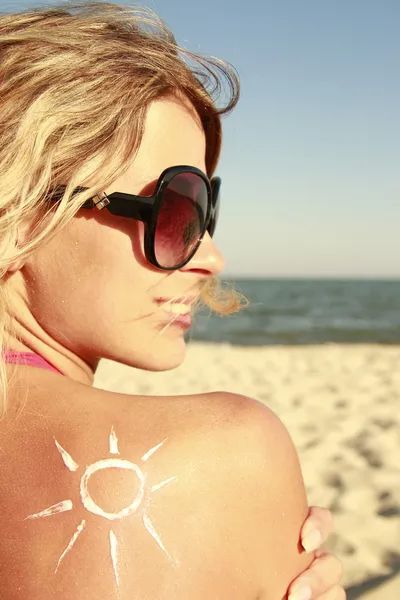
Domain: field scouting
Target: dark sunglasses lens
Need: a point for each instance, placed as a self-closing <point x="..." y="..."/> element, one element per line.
<point x="181" y="220"/>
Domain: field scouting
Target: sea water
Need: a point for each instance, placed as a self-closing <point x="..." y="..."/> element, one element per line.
<point x="290" y="311"/>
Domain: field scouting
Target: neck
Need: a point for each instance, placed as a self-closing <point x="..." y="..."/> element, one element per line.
<point x="24" y="334"/>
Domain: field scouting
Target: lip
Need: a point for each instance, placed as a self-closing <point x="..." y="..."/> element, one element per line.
<point x="183" y="300"/>
<point x="184" y="321"/>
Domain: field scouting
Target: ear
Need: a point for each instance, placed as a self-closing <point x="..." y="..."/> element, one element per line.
<point x="16" y="265"/>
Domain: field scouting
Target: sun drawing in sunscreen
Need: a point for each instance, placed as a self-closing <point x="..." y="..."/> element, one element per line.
<point x="91" y="506"/>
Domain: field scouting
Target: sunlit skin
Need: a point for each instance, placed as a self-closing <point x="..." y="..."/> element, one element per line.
<point x="92" y="293"/>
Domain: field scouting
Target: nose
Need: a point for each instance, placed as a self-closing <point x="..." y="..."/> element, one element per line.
<point x="207" y="258"/>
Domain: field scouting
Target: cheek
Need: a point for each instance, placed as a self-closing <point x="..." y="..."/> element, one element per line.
<point x="112" y="241"/>
<point x="102" y="247"/>
<point x="91" y="285"/>
<point x="91" y="271"/>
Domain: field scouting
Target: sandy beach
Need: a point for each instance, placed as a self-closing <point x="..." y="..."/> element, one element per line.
<point x="341" y="405"/>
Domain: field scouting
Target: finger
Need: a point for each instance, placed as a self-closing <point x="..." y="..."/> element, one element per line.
<point x="335" y="593"/>
<point x="317" y="528"/>
<point x="324" y="574"/>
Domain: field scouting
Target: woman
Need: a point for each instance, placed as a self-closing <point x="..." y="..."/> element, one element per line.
<point x="105" y="249"/>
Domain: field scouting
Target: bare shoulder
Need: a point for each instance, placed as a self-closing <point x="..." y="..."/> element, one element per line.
<point x="245" y="486"/>
<point x="115" y="496"/>
<point x="276" y="500"/>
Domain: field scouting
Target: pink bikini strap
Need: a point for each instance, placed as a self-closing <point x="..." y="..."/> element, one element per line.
<point x="27" y="358"/>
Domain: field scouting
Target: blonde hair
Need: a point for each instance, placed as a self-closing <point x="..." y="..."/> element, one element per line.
<point x="75" y="82"/>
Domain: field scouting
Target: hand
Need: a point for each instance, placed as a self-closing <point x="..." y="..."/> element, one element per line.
<point x="321" y="581"/>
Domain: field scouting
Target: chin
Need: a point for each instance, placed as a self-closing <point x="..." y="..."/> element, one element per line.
<point x="164" y="357"/>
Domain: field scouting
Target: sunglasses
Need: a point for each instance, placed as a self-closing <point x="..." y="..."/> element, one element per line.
<point x="184" y="205"/>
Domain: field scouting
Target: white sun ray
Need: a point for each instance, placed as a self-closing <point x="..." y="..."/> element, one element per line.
<point x="72" y="541"/>
<point x="151" y="452"/>
<point x="91" y="506"/>
<point x="150" y="528"/>
<point x="114" y="555"/>
<point x="113" y="442"/>
<point x="160" y="485"/>
<point x="63" y="506"/>
<point x="68" y="460"/>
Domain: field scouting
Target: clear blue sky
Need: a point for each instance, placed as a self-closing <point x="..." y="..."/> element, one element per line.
<point x="311" y="156"/>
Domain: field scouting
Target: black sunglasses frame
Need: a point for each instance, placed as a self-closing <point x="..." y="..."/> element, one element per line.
<point x="147" y="208"/>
